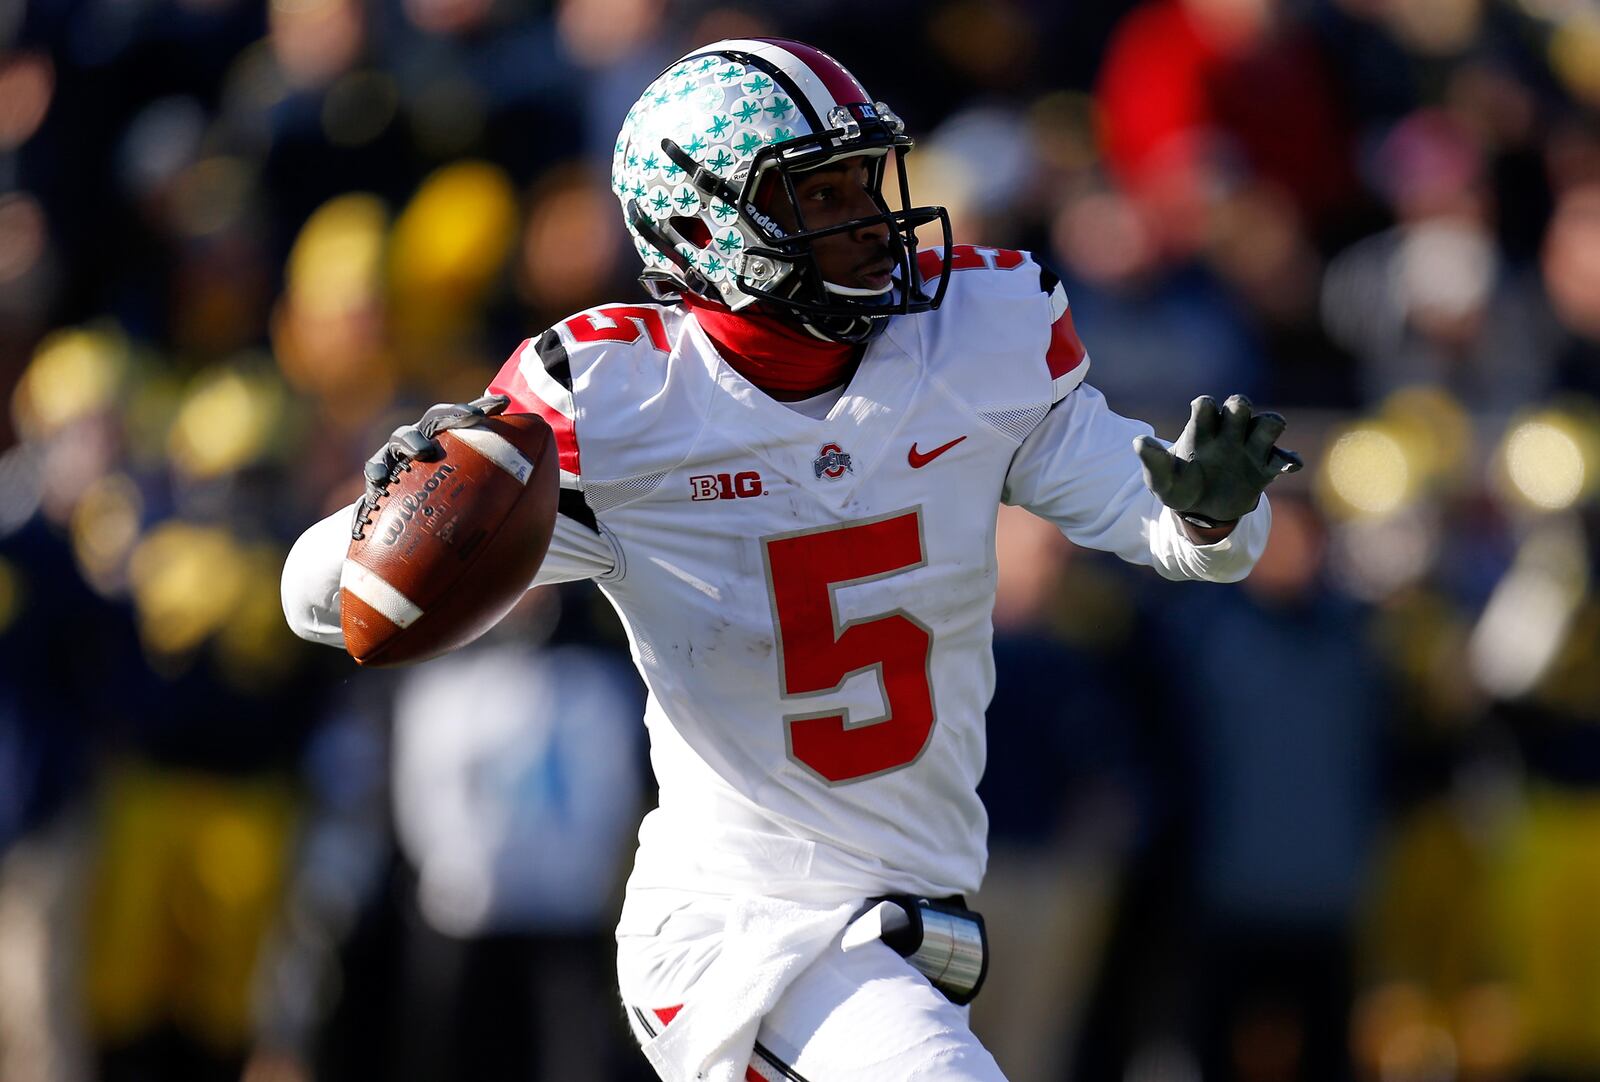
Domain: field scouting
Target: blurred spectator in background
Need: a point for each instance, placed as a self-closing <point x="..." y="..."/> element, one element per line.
<point x="1433" y="300"/>
<point x="48" y="723"/>
<point x="514" y="789"/>
<point x="1059" y="793"/>
<point x="1571" y="266"/>
<point x="516" y="816"/>
<point x="1285" y="798"/>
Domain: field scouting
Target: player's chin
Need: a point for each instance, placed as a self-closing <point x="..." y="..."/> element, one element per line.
<point x="876" y="281"/>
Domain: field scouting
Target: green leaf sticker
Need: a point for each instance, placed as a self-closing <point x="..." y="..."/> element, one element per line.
<point x="758" y="84"/>
<point x="719" y="124"/>
<point x="780" y="107"/>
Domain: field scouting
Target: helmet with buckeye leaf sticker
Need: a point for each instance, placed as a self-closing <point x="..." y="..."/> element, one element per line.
<point x="746" y="116"/>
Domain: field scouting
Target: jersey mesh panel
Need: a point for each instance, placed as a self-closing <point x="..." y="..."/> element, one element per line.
<point x="1017" y="423"/>
<point x="604" y="495"/>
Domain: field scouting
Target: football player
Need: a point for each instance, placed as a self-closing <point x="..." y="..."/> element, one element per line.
<point x="784" y="473"/>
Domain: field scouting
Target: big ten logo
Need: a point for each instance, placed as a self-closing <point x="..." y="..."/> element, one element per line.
<point x="724" y="486"/>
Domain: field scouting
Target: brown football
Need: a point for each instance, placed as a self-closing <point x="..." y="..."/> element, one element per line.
<point x="453" y="543"/>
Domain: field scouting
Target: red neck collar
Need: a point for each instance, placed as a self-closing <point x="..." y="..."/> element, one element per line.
<point x="775" y="355"/>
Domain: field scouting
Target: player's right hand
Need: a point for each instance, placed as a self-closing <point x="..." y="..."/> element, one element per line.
<point x="416" y="443"/>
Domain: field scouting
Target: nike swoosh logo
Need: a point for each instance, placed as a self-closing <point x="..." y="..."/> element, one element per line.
<point x="918" y="459"/>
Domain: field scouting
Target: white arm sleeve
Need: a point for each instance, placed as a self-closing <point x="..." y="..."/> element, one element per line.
<point x="310" y="587"/>
<point x="1078" y="469"/>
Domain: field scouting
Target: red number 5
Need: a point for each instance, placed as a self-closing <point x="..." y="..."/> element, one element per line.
<point x="620" y="323"/>
<point x="817" y="654"/>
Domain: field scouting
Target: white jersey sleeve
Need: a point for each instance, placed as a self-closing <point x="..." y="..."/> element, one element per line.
<point x="1078" y="469"/>
<point x="1008" y="348"/>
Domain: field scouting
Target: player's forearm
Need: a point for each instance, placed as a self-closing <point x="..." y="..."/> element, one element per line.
<point x="310" y="586"/>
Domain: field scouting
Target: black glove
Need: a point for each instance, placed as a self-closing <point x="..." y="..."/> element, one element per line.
<point x="416" y="443"/>
<point x="1216" y="472"/>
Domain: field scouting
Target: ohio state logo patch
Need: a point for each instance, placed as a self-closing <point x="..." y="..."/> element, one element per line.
<point x="832" y="462"/>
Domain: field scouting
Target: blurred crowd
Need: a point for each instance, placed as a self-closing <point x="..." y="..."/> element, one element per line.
<point x="1351" y="832"/>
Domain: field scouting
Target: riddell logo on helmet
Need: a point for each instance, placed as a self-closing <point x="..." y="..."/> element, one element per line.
<point x="764" y="221"/>
<point x="722" y="486"/>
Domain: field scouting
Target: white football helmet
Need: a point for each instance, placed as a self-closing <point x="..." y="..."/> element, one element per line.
<point x="705" y="135"/>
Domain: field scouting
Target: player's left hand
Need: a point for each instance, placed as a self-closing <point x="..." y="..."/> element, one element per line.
<point x="1215" y="474"/>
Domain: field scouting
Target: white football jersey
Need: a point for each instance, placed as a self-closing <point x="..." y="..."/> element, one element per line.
<point x="808" y="600"/>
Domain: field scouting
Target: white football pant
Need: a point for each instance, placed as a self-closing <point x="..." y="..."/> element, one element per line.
<point x="857" y="1016"/>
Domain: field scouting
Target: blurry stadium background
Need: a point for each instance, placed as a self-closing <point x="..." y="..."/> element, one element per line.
<point x="1355" y="836"/>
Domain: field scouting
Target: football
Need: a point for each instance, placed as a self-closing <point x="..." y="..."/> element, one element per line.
<point x="453" y="543"/>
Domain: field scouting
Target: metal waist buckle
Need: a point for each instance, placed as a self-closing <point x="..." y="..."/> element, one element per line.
<point x="942" y="939"/>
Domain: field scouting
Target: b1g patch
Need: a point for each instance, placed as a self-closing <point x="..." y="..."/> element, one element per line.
<point x="831" y="462"/>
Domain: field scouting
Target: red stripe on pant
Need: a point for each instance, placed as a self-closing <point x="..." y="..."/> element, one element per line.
<point x="667" y="1014"/>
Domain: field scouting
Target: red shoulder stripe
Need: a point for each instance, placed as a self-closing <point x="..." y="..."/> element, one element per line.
<point x="667" y="1014"/>
<point x="1066" y="351"/>
<point x="835" y="79"/>
<point x="541" y="395"/>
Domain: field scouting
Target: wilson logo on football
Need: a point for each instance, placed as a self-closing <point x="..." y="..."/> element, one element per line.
<point x="723" y="486"/>
<point x="411" y="503"/>
<point x="832" y="462"/>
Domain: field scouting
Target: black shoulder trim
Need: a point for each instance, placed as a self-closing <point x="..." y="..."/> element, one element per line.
<point x="1048" y="279"/>
<point x="554" y="356"/>
<point x="572" y="504"/>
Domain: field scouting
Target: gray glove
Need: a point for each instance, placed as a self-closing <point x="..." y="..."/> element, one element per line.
<point x="1216" y="472"/>
<point x="416" y="443"/>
